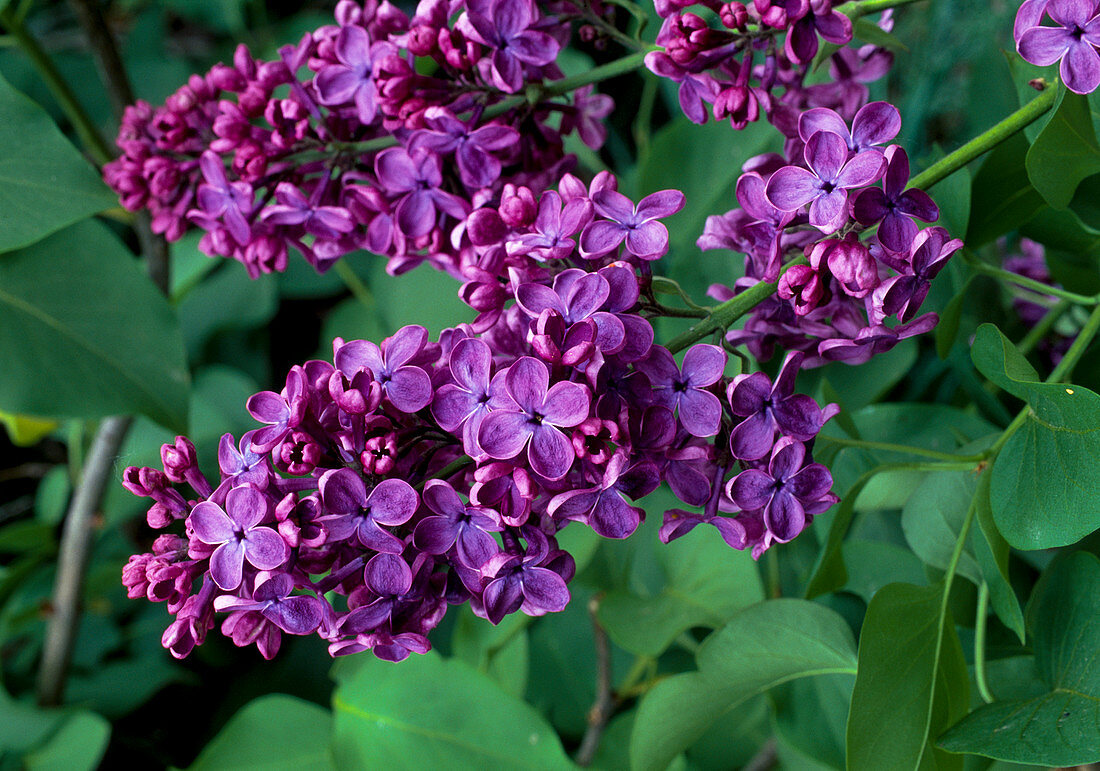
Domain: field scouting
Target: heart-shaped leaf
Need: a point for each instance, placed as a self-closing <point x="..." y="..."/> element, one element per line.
<point x="1062" y="726"/>
<point x="1046" y="481"/>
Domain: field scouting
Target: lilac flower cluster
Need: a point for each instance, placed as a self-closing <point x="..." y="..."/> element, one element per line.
<point x="866" y="259"/>
<point x="406" y="477"/>
<point x="1072" y="40"/>
<point x="365" y="152"/>
<point x="739" y="68"/>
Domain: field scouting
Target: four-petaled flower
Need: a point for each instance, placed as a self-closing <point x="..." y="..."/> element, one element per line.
<point x="534" y="419"/>
<point x="645" y="237"/>
<point x="239" y="534"/>
<point x="826" y="183"/>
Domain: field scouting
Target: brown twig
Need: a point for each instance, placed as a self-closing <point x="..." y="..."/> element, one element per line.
<point x="604" y="706"/>
<point x="764" y="759"/>
<point x="77" y="537"/>
<point x="76" y="547"/>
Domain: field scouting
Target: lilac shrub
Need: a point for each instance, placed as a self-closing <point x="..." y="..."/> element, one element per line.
<point x="410" y="475"/>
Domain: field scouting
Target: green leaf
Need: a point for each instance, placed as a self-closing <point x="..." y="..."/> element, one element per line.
<point x="809" y="721"/>
<point x="762" y="646"/>
<point x="430" y="712"/>
<point x="861" y="487"/>
<point x="1045" y="479"/>
<point x="224" y="300"/>
<point x="86" y="334"/>
<point x="1062" y="726"/>
<point x="948" y="328"/>
<point x="1002" y="197"/>
<point x="1065" y="152"/>
<point x="24" y="724"/>
<point x="77" y="746"/>
<point x="499" y="651"/>
<point x="894" y="702"/>
<point x="1063" y="231"/>
<point x="953" y="197"/>
<point x="869" y="32"/>
<point x="992" y="552"/>
<point x="872" y="565"/>
<point x="273" y="732"/>
<point x="867" y="382"/>
<point x="934" y="516"/>
<point x="45" y="184"/>
<point x="424" y="296"/>
<point x="704" y="584"/>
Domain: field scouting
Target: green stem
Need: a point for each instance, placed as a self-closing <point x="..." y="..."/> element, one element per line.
<point x="901" y="448"/>
<point x="854" y="10"/>
<point x="638" y="669"/>
<point x="729" y="311"/>
<point x="1040" y="330"/>
<point x="613" y="69"/>
<point x="979" y="643"/>
<point x="359" y="290"/>
<point x="987" y="140"/>
<point x="89" y="135"/>
<point x="1028" y="283"/>
<point x="449" y="470"/>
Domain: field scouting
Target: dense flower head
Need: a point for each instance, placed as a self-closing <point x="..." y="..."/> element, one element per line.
<point x="840" y="200"/>
<point x="409" y="474"/>
<point x="754" y="61"/>
<point x="363" y="151"/>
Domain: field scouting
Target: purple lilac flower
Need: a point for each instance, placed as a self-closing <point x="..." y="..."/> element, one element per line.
<point x="417" y="178"/>
<point x="456" y="525"/>
<point x="874" y="124"/>
<point x="238" y="534"/>
<point x="504" y="26"/>
<point x="769" y="409"/>
<point x="222" y="201"/>
<point x="893" y="206"/>
<point x="351" y="79"/>
<point x="464" y="403"/>
<point x="293" y="209"/>
<point x="553" y="228"/>
<point x="407" y="386"/>
<point x="472" y="148"/>
<point x="350" y="510"/>
<point x="832" y="25"/>
<point x="902" y="295"/>
<point x="786" y="491"/>
<point x="294" y="614"/>
<point x="645" y="237"/>
<point x="535" y="418"/>
<point x="281" y="412"/>
<point x="824" y="186"/>
<point x="520" y="582"/>
<point x="684" y="390"/>
<point x="1072" y="42"/>
<point x="603" y="506"/>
